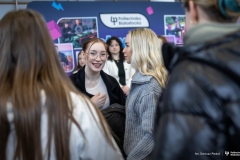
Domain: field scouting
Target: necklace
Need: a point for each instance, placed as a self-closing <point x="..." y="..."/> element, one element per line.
<point x="93" y="83"/>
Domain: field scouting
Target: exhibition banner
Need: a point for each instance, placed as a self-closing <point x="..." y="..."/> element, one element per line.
<point x="72" y="23"/>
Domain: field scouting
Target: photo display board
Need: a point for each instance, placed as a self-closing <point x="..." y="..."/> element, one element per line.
<point x="72" y="23"/>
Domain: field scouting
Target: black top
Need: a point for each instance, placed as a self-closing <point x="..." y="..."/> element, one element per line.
<point x="121" y="72"/>
<point x="115" y="92"/>
<point x="199" y="110"/>
<point x="65" y="35"/>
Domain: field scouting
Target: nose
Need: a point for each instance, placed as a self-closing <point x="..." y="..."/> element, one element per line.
<point x="124" y="49"/>
<point x="98" y="57"/>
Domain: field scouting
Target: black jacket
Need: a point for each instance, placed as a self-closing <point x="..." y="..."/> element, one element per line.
<point x="113" y="115"/>
<point x="115" y="93"/>
<point x="65" y="35"/>
<point x="198" y="116"/>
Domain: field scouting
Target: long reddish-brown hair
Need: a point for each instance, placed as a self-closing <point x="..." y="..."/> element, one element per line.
<point x="29" y="64"/>
<point x="87" y="45"/>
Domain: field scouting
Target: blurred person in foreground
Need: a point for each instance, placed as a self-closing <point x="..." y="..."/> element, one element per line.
<point x="199" y="110"/>
<point x="42" y="115"/>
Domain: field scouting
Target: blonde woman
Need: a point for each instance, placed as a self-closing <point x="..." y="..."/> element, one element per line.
<point x="143" y="52"/>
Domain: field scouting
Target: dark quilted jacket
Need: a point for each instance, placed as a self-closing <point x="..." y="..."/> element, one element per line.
<point x="199" y="112"/>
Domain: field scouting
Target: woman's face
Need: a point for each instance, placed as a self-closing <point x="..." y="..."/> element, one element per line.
<point x="128" y="50"/>
<point x="114" y="48"/>
<point x="96" y="57"/>
<point x="81" y="59"/>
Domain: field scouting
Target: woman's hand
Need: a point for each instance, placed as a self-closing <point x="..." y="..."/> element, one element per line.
<point x="99" y="99"/>
<point x="125" y="90"/>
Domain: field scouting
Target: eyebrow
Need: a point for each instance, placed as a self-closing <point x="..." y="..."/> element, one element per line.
<point x="96" y="51"/>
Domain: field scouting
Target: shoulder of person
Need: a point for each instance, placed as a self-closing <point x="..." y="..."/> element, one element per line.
<point x="146" y="82"/>
<point x="186" y="70"/>
<point x="74" y="72"/>
<point x="139" y="78"/>
<point x="73" y="76"/>
<point x="125" y="63"/>
<point x="76" y="75"/>
<point x="109" y="62"/>
<point x="153" y="86"/>
<point x="108" y="77"/>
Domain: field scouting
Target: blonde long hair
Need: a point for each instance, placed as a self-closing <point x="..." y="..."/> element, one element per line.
<point x="146" y="54"/>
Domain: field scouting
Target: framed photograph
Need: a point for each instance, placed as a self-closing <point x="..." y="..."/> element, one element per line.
<point x="66" y="57"/>
<point x="175" y="25"/>
<point x="77" y="30"/>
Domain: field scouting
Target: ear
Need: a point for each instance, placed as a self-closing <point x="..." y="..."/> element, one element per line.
<point x="193" y="12"/>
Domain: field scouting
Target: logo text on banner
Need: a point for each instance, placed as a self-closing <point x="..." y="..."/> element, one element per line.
<point x="124" y="20"/>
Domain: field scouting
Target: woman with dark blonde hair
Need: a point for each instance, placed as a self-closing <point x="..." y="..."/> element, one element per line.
<point x="143" y="52"/>
<point x="42" y="115"/>
<point x="198" y="115"/>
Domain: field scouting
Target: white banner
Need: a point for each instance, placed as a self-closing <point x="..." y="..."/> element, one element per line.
<point x="124" y="20"/>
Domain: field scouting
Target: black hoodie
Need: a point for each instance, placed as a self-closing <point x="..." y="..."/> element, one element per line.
<point x="198" y="116"/>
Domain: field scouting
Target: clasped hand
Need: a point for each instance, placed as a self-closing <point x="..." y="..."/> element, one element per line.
<point x="99" y="99"/>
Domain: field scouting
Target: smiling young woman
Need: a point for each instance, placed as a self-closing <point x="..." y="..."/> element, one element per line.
<point x="102" y="89"/>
